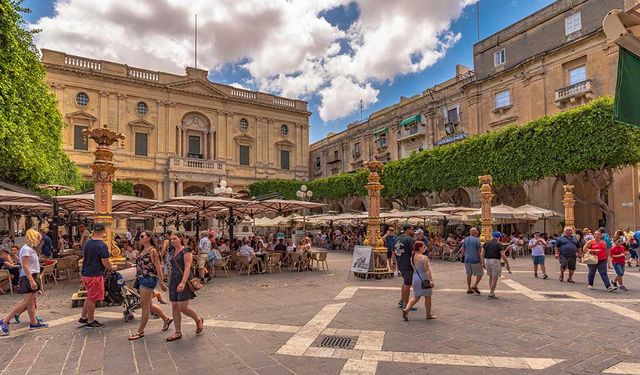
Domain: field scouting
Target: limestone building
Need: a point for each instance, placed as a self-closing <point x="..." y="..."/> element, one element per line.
<point x="548" y="62"/>
<point x="184" y="133"/>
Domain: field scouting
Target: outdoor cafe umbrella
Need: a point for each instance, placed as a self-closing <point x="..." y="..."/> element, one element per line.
<point x="541" y="213"/>
<point x="15" y="207"/>
<point x="165" y="210"/>
<point x="209" y="203"/>
<point x="86" y="202"/>
<point x="12" y="196"/>
<point x="280" y="206"/>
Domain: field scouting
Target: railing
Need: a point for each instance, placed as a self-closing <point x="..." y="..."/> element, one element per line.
<point x="143" y="74"/>
<point x="244" y="94"/>
<point x="190" y="163"/>
<point x="574" y="90"/>
<point x="81" y="62"/>
<point x="284" y="102"/>
<point x="409" y="131"/>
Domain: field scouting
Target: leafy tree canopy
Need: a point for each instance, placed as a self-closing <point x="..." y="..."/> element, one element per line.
<point x="570" y="142"/>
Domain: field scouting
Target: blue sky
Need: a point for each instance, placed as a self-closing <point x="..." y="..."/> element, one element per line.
<point x="320" y="79"/>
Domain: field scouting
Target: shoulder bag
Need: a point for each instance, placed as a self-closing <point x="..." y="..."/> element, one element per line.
<point x="589" y="258"/>
<point x="425" y="284"/>
<point x="193" y="284"/>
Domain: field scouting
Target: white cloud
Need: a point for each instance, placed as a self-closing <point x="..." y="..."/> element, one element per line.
<point x="287" y="47"/>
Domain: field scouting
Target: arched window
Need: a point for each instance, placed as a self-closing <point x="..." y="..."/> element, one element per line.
<point x="284" y="130"/>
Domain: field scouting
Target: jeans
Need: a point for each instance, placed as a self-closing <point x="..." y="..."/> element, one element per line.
<point x="602" y="270"/>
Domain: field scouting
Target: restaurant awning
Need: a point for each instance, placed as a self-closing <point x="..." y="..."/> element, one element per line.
<point x="412" y="120"/>
<point x="381" y="130"/>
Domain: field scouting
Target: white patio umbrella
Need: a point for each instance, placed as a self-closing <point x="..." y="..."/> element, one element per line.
<point x="12" y="208"/>
<point x="505" y="212"/>
<point x="86" y="202"/>
<point x="12" y="196"/>
<point x="541" y="213"/>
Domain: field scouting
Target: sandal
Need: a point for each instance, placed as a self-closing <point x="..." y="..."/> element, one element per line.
<point x="174" y="337"/>
<point x="166" y="324"/>
<point x="201" y="328"/>
<point x="135" y="336"/>
<point x="405" y="315"/>
<point x="432" y="317"/>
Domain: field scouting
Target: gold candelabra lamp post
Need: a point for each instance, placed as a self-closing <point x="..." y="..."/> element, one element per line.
<point x="373" y="239"/>
<point x="569" y="202"/>
<point x="486" y="195"/>
<point x="103" y="175"/>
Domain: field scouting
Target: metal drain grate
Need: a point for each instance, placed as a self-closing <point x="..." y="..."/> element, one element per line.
<point x="563" y="296"/>
<point x="336" y="342"/>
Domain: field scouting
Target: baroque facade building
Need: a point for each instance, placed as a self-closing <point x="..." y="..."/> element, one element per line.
<point x="548" y="62"/>
<point x="184" y="133"/>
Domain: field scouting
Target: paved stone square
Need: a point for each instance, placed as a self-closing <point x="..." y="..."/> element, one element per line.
<point x="272" y="324"/>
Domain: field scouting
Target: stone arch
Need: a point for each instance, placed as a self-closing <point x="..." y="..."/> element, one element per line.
<point x="513" y="196"/>
<point x="334" y="205"/>
<point x="193" y="189"/>
<point x="357" y="204"/>
<point x="460" y="197"/>
<point x="585" y="215"/>
<point x="196" y="136"/>
<point x="196" y="121"/>
<point x="143" y="191"/>
<point x="418" y="201"/>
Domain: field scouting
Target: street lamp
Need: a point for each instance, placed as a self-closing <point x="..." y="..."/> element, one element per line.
<point x="224" y="189"/>
<point x="304" y="194"/>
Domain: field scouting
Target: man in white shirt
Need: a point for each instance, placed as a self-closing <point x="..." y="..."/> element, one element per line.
<point x="203" y="255"/>
<point x="247" y="252"/>
<point x="537" y="245"/>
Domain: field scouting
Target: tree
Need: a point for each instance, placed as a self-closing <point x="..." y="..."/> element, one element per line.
<point x="30" y="123"/>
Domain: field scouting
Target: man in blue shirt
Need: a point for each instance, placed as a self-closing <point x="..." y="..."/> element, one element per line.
<point x="471" y="249"/>
<point x="566" y="252"/>
<point x="389" y="240"/>
<point x="47" y="244"/>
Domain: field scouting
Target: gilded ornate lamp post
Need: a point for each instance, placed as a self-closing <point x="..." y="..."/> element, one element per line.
<point x="379" y="264"/>
<point x="486" y="195"/>
<point x="569" y="202"/>
<point x="223" y="189"/>
<point x="103" y="174"/>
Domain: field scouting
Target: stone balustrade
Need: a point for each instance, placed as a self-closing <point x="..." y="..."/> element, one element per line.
<point x="81" y="62"/>
<point x="143" y="74"/>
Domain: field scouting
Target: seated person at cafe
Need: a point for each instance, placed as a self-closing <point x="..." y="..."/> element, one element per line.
<point x="280" y="247"/>
<point x="7" y="263"/>
<point x="247" y="252"/>
<point x="130" y="253"/>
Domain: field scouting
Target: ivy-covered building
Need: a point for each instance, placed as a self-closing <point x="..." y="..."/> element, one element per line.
<point x="549" y="62"/>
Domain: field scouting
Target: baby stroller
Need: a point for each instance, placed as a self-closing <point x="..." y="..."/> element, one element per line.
<point x="116" y="292"/>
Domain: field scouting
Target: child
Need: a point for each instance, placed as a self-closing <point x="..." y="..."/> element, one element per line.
<point x="618" y="260"/>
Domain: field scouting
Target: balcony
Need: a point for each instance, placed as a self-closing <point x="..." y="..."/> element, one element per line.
<point x="409" y="132"/>
<point x="450" y="119"/>
<point x="196" y="165"/>
<point x="574" y="92"/>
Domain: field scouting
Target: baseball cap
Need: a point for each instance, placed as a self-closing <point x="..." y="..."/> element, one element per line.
<point x="496" y="234"/>
<point x="419" y="231"/>
<point x="407" y="227"/>
<point x="99" y="226"/>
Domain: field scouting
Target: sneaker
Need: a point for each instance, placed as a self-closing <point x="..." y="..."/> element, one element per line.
<point x="590" y="286"/>
<point x="612" y="288"/>
<point x="16" y="318"/>
<point x="94" y="324"/>
<point x="39" y="319"/>
<point x="545" y="276"/>
<point x="475" y="289"/>
<point x="83" y="321"/>
<point x="535" y="275"/>
<point x="4" y="328"/>
<point x="622" y="287"/>
<point x="615" y="284"/>
<point x="401" y="304"/>
<point x="33" y="327"/>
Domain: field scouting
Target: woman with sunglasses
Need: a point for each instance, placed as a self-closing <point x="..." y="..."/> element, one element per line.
<point x="149" y="272"/>
<point x="181" y="260"/>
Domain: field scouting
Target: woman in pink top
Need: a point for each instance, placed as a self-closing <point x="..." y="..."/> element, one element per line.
<point x="598" y="247"/>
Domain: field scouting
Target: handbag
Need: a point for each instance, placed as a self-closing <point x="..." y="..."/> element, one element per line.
<point x="589" y="258"/>
<point x="193" y="284"/>
<point x="424" y="284"/>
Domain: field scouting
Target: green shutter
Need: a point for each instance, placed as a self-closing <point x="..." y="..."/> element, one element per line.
<point x="411" y="120"/>
<point x="79" y="140"/>
<point x="627" y="102"/>
<point x="381" y="130"/>
<point x="141" y="144"/>
<point x="284" y="159"/>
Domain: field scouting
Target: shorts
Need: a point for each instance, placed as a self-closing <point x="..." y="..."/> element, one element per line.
<point x="474" y="269"/>
<point x="148" y="282"/>
<point x="407" y="277"/>
<point x="493" y="266"/>
<point x="25" y="287"/>
<point x="389" y="253"/>
<point x="203" y="259"/>
<point x="568" y="262"/>
<point x="634" y="254"/>
<point x="538" y="259"/>
<point x="619" y="268"/>
<point x="95" y="287"/>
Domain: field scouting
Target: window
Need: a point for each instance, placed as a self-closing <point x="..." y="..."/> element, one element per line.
<point x="572" y="24"/>
<point x="577" y="75"/>
<point x="284" y="130"/>
<point x="356" y="148"/>
<point x="382" y="140"/>
<point x="499" y="57"/>
<point x="335" y="155"/>
<point x="142" y="108"/>
<point x="82" y="99"/>
<point x="452" y="116"/>
<point x="318" y="162"/>
<point x="503" y="99"/>
<point x="244" y="124"/>
<point x="244" y="155"/>
<point x="194" y="147"/>
<point x="142" y="144"/>
<point x="80" y="141"/>
<point x="284" y="159"/>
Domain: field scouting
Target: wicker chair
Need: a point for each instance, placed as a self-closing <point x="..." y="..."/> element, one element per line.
<point x="274" y="261"/>
<point x="245" y="264"/>
<point x="5" y="275"/>
<point x="294" y="261"/>
<point x="48" y="271"/>
<point x="66" y="266"/>
<point x="221" y="264"/>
